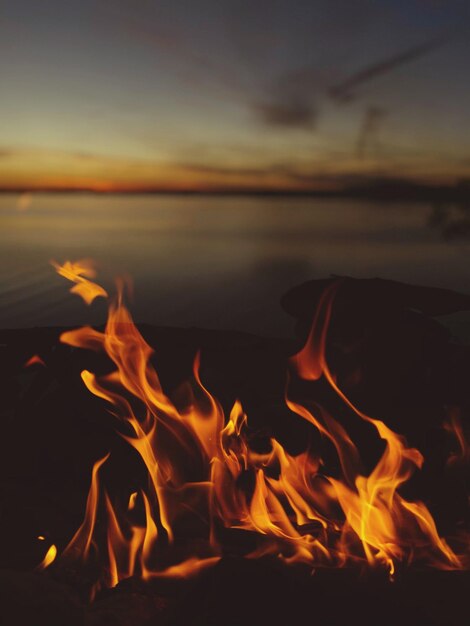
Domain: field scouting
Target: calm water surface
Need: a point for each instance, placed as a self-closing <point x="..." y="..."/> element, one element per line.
<point x="209" y="261"/>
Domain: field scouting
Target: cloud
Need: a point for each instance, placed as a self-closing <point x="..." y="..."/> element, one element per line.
<point x="40" y="154"/>
<point x="344" y="91"/>
<point x="291" y="100"/>
<point x="291" y="114"/>
<point x="301" y="176"/>
<point x="187" y="56"/>
<point x="227" y="171"/>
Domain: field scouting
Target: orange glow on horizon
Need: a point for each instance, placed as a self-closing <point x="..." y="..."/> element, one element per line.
<point x="37" y="171"/>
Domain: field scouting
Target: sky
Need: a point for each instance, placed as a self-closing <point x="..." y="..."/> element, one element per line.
<point x="281" y="95"/>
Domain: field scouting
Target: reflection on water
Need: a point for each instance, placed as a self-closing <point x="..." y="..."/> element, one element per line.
<point x="452" y="220"/>
<point x="218" y="262"/>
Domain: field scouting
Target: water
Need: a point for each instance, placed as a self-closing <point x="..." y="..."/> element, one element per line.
<point x="214" y="262"/>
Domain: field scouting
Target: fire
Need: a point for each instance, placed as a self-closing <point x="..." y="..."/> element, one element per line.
<point x="79" y="272"/>
<point x="49" y="556"/>
<point x="454" y="426"/>
<point x="375" y="511"/>
<point x="34" y="360"/>
<point x="195" y="458"/>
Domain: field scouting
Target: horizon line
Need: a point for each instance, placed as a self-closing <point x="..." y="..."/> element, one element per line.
<point x="394" y="188"/>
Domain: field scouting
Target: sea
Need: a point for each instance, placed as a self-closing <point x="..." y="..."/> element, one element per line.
<point x="220" y="262"/>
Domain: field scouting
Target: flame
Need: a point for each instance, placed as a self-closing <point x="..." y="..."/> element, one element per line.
<point x="132" y="500"/>
<point x="203" y="474"/>
<point x="79" y="272"/>
<point x="49" y="556"/>
<point x="387" y="525"/>
<point x="461" y="456"/>
<point x="82" y="540"/>
<point x="34" y="360"/>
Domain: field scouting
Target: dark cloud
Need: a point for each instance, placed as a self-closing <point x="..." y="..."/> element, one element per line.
<point x="291" y="101"/>
<point x="288" y="114"/>
<point x="307" y="175"/>
<point x="344" y="91"/>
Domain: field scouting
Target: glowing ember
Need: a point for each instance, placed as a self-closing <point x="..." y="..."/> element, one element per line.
<point x="195" y="459"/>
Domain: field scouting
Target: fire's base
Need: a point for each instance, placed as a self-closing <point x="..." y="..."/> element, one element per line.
<point x="239" y="592"/>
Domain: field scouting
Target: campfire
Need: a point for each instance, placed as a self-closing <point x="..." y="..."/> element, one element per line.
<point x="203" y="485"/>
<point x="200" y="465"/>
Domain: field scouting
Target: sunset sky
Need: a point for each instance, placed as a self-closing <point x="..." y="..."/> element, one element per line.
<point x="232" y="94"/>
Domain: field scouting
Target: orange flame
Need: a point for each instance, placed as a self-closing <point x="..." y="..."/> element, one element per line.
<point x="48" y="558"/>
<point x="195" y="459"/>
<point x="81" y="542"/>
<point x="34" y="360"/>
<point x="132" y="500"/>
<point x="79" y="272"/>
<point x="384" y="521"/>
<point x="453" y="425"/>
